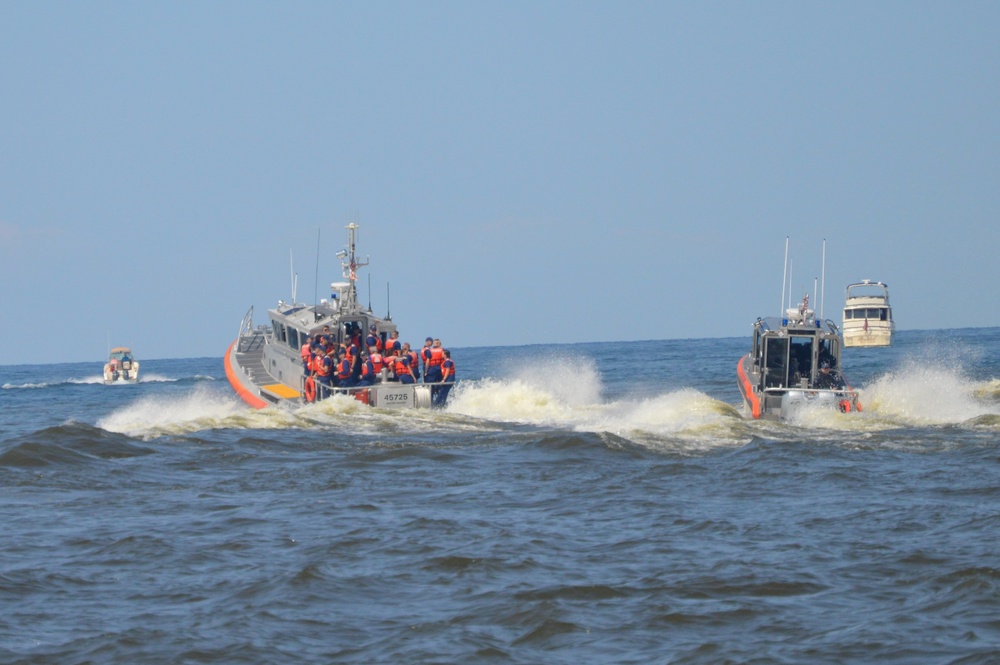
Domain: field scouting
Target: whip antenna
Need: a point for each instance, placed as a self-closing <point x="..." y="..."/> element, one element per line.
<point x="784" y="277"/>
<point x="316" y="283"/>
<point x="822" y="296"/>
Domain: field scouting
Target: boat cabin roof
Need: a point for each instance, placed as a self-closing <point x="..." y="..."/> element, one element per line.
<point x="867" y="289"/>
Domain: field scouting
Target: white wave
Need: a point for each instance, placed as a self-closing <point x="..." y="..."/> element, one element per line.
<point x="98" y="378"/>
<point x="191" y="412"/>
<point x="20" y="386"/>
<point x="681" y="412"/>
<point x="155" y="378"/>
<point x="927" y="394"/>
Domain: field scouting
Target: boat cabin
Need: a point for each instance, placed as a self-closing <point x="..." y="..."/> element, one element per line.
<point x="789" y="356"/>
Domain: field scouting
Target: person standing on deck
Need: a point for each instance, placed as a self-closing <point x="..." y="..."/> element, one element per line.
<point x="447" y="376"/>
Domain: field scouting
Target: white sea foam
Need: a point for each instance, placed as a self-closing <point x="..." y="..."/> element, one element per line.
<point x="155" y="378"/>
<point x="197" y="410"/>
<point x="550" y="401"/>
<point x="20" y="386"/>
<point x="924" y="394"/>
<point x="97" y="378"/>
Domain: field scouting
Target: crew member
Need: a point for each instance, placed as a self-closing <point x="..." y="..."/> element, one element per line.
<point x="324" y="368"/>
<point x="401" y="366"/>
<point x="433" y="357"/>
<point x="414" y="360"/>
<point x="344" y="372"/>
<point x="373" y="339"/>
<point x="827" y="378"/>
<point x="447" y="376"/>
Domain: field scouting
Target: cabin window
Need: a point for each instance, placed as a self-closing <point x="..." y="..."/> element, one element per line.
<point x="800" y="359"/>
<point x="883" y="314"/>
<point x="293" y="338"/>
<point x="776" y="362"/>
<point x="279" y="330"/>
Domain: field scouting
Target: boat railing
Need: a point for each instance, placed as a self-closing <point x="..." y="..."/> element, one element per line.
<point x="324" y="391"/>
<point x="245" y="326"/>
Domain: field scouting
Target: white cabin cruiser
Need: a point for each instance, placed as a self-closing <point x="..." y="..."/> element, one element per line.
<point x="867" y="315"/>
<point x="121" y="366"/>
<point x="265" y="364"/>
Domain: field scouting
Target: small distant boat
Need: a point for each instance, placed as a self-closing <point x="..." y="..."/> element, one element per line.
<point x="264" y="364"/>
<point x="867" y="315"/>
<point x="794" y="364"/>
<point x="121" y="366"/>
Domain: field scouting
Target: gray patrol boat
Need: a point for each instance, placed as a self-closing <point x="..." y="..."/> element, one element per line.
<point x="794" y="364"/>
<point x="264" y="364"/>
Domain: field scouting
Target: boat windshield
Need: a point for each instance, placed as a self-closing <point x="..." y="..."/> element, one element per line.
<point x="793" y="359"/>
<point x="873" y="290"/>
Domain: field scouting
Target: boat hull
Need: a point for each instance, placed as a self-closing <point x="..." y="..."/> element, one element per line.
<point x="872" y="337"/>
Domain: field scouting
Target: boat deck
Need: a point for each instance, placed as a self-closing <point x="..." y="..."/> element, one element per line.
<point x="250" y="358"/>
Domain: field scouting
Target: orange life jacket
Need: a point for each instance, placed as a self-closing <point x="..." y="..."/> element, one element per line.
<point x="401" y="367"/>
<point x="344" y="369"/>
<point x="322" y="367"/>
<point x="437" y="356"/>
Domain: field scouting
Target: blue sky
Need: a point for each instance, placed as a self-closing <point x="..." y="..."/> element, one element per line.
<point x="523" y="172"/>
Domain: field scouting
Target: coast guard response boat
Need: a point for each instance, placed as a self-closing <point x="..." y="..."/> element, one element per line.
<point x="793" y="364"/>
<point x="264" y="364"/>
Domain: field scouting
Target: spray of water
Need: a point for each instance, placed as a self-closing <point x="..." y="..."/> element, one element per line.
<point x="922" y="393"/>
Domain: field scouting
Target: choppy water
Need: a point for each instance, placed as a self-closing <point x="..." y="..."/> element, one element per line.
<point x="598" y="503"/>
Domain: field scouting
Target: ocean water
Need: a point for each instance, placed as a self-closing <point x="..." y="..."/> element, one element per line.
<point x="586" y="503"/>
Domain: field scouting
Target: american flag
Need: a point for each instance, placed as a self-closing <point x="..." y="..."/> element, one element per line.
<point x="866" y="324"/>
<point x="805" y="303"/>
<point x="354" y="268"/>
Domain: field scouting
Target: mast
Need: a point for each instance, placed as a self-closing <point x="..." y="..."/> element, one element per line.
<point x="822" y="297"/>
<point x="316" y="281"/>
<point x="352" y="264"/>
<point x="784" y="277"/>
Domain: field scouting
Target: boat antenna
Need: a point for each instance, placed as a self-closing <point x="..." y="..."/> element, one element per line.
<point x="316" y="282"/>
<point x="814" y="291"/>
<point x="291" y="268"/>
<point x="822" y="296"/>
<point x="791" y="282"/>
<point x="784" y="277"/>
<point x="369" y="292"/>
<point x="352" y="265"/>
<point x="388" y="316"/>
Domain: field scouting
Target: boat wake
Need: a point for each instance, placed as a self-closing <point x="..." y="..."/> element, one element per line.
<point x="571" y="399"/>
<point x="568" y="399"/>
<point x="199" y="409"/>
<point x="924" y="394"/>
